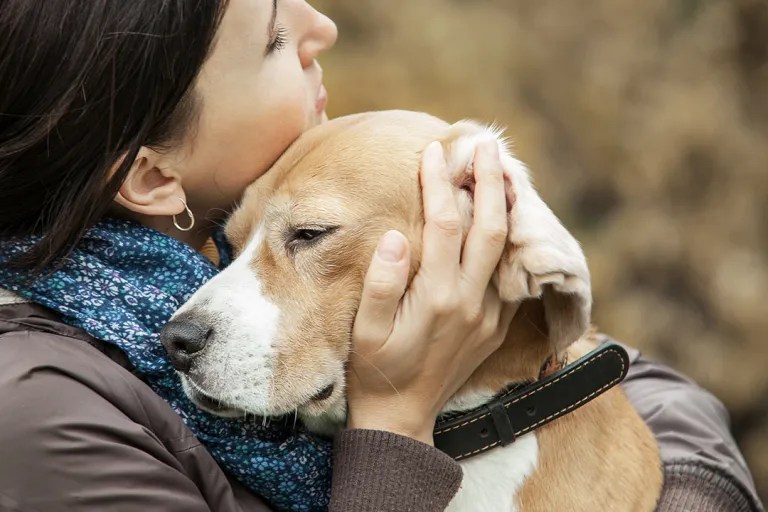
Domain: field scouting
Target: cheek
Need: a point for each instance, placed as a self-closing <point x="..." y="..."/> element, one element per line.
<point x="317" y="327"/>
<point x="240" y="138"/>
<point x="250" y="153"/>
<point x="315" y="340"/>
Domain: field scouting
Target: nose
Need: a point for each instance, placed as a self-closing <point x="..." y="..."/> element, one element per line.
<point x="321" y="36"/>
<point x="183" y="339"/>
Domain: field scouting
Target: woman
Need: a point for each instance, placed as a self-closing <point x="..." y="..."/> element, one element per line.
<point x="127" y="131"/>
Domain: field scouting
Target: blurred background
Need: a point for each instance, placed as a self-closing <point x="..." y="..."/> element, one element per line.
<point x="645" y="124"/>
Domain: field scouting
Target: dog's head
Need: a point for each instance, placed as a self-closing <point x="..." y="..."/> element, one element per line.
<point x="273" y="329"/>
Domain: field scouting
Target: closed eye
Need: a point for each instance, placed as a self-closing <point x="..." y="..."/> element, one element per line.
<point x="278" y="40"/>
<point x="302" y="237"/>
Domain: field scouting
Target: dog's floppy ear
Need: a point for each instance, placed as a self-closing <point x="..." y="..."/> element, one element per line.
<point x="542" y="259"/>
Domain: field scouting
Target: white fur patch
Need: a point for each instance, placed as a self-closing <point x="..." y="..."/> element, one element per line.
<point x="493" y="479"/>
<point x="240" y="358"/>
<point x="467" y="401"/>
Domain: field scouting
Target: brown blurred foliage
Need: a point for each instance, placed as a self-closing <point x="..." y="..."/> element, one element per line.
<point x="645" y="124"/>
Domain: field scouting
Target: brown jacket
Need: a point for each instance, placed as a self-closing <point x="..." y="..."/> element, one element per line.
<point x="81" y="433"/>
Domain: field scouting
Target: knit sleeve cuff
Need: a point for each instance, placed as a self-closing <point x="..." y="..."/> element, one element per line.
<point x="693" y="486"/>
<point x="381" y="471"/>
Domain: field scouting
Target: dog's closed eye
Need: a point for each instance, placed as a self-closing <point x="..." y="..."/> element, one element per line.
<point x="301" y="237"/>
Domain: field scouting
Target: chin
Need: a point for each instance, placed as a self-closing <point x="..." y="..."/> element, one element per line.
<point x="325" y="418"/>
<point x="325" y="425"/>
<point x="208" y="403"/>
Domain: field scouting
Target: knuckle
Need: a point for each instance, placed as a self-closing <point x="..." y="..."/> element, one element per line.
<point x="365" y="338"/>
<point x="489" y="331"/>
<point x="444" y="303"/>
<point x="494" y="173"/>
<point x="450" y="224"/>
<point x="380" y="290"/>
<point x="495" y="234"/>
<point x="474" y="317"/>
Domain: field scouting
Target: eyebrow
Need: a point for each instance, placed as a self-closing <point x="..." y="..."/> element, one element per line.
<point x="271" y="26"/>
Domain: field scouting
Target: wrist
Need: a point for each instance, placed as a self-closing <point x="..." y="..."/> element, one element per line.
<point x="421" y="435"/>
<point x="408" y="425"/>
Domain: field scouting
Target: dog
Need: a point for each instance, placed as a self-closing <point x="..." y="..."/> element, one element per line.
<point x="271" y="334"/>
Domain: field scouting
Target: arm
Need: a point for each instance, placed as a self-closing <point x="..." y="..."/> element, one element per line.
<point x="65" y="446"/>
<point x="703" y="468"/>
<point x="377" y="471"/>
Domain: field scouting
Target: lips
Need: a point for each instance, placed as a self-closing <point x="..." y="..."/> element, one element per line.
<point x="209" y="403"/>
<point x="324" y="394"/>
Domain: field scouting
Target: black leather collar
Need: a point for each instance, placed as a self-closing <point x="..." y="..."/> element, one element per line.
<point x="522" y="410"/>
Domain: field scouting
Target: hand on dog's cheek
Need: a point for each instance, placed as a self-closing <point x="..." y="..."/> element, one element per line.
<point x="373" y="400"/>
<point x="412" y="352"/>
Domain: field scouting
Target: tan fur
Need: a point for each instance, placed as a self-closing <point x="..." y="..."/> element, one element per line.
<point x="360" y="173"/>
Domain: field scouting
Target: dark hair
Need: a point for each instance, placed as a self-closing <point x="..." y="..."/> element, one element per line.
<point x="83" y="84"/>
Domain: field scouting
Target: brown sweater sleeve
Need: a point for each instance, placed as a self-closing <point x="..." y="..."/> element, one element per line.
<point x="381" y="472"/>
<point x="693" y="486"/>
<point x="703" y="467"/>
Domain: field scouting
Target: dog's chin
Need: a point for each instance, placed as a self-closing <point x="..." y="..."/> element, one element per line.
<point x="324" y="413"/>
<point x="210" y="404"/>
<point x="215" y="407"/>
<point x="326" y="417"/>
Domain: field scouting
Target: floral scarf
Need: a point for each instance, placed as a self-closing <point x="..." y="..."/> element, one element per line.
<point x="121" y="285"/>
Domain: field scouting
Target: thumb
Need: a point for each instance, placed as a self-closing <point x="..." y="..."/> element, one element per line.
<point x="383" y="288"/>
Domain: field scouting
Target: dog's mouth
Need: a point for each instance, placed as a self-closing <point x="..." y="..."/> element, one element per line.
<point x="209" y="403"/>
<point x="205" y="401"/>
<point x="323" y="394"/>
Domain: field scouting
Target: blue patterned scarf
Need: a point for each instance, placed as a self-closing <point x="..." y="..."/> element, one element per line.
<point x="121" y="285"/>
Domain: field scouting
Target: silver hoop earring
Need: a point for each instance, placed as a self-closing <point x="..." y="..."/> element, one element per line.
<point x="189" y="213"/>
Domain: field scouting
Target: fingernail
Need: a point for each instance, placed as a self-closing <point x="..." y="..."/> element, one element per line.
<point x="491" y="149"/>
<point x="392" y="247"/>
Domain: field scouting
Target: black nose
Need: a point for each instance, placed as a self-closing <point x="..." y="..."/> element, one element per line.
<point x="183" y="339"/>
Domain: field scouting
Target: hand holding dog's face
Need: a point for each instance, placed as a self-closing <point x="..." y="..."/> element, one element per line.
<point x="282" y="314"/>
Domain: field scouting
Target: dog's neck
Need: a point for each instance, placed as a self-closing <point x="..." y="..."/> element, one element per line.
<point x="518" y="360"/>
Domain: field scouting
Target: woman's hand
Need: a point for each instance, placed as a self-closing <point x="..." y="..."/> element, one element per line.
<point x="412" y="352"/>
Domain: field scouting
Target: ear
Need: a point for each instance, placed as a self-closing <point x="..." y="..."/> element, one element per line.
<point x="151" y="187"/>
<point x="542" y="260"/>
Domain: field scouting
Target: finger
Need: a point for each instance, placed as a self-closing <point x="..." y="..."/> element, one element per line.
<point x="442" y="223"/>
<point x="492" y="308"/>
<point x="488" y="235"/>
<point x="384" y="286"/>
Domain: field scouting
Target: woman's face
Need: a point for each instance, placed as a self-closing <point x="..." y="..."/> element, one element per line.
<point x="259" y="90"/>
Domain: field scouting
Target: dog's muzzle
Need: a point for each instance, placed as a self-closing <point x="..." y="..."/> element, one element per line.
<point x="183" y="339"/>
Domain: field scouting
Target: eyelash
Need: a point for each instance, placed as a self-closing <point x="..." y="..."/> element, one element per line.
<point x="279" y="40"/>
